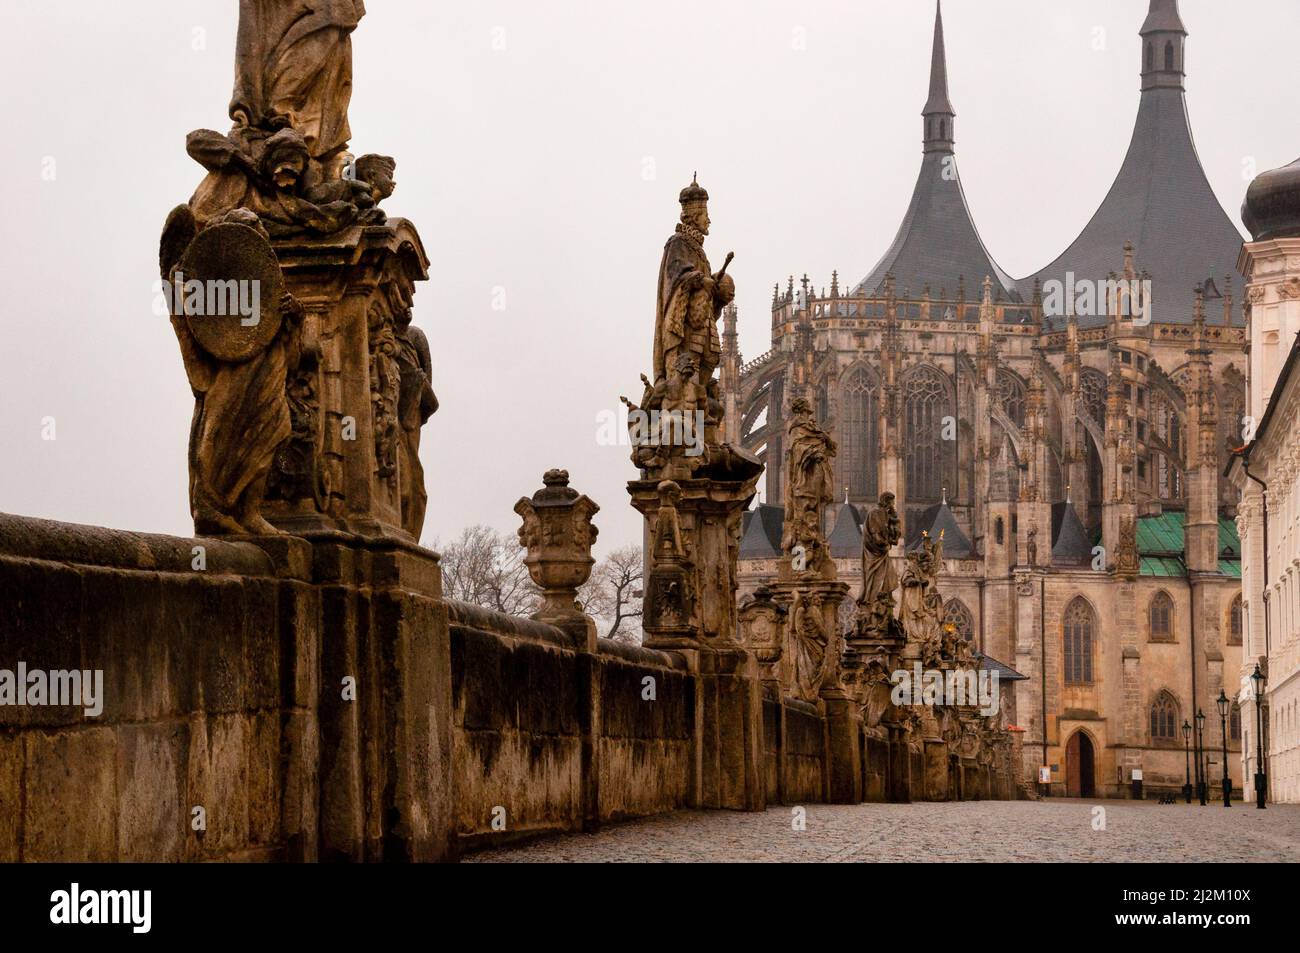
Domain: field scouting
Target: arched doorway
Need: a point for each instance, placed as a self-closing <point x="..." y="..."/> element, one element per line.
<point x="1080" y="764"/>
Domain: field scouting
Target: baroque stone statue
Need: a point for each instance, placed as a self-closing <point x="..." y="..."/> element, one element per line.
<point x="285" y="157"/>
<point x="881" y="533"/>
<point x="690" y="297"/>
<point x="809" y="486"/>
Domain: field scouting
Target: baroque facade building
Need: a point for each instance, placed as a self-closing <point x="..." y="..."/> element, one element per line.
<point x="1266" y="473"/>
<point x="1067" y="432"/>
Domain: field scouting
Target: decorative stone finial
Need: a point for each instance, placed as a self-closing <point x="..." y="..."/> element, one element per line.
<point x="558" y="535"/>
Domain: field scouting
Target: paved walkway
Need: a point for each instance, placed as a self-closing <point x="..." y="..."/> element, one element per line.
<point x="1051" y="830"/>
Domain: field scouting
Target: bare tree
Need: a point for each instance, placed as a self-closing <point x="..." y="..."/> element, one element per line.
<point x="486" y="568"/>
<point x="613" y="594"/>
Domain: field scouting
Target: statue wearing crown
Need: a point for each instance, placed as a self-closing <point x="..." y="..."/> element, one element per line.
<point x="691" y="297"/>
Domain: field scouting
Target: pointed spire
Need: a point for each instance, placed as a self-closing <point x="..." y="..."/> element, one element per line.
<point x="937" y="131"/>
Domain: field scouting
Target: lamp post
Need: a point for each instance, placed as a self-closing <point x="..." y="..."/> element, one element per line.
<point x="1222" y="702"/>
<point x="1257" y="679"/>
<point x="1187" y="751"/>
<point x="1201" y="754"/>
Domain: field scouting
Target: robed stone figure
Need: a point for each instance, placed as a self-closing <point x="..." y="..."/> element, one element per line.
<point x="809" y="484"/>
<point x="880" y="534"/>
<point x="691" y="297"/>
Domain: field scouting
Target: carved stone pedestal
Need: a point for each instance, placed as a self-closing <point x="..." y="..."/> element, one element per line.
<point x="352" y="462"/>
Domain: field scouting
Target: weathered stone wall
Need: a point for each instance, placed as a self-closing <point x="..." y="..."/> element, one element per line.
<point x="209" y="699"/>
<point x="549" y="737"/>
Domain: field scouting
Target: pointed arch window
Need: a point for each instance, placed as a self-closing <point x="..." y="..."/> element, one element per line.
<point x="1150" y="57"/>
<point x="929" y="457"/>
<point x="956" y="614"/>
<point x="1234" y="622"/>
<point x="1169" y="55"/>
<point x="1161" y="617"/>
<point x="1011" y="396"/>
<point x="1092" y="388"/>
<point x="1164" y="718"/>
<point x="1078" y="626"/>
<point x="1234" y="723"/>
<point x="858" y="427"/>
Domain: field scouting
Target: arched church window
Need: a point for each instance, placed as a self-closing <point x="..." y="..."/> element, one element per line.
<point x="1161" y="615"/>
<point x="1150" y="57"/>
<point x="823" y="404"/>
<point x="1164" y="718"/>
<point x="1169" y="55"/>
<point x="1011" y="396"/>
<point x="929" y="462"/>
<point x="1078" y="625"/>
<point x="858" y="429"/>
<point x="943" y="129"/>
<point x="1234" y="723"/>
<point x="958" y="616"/>
<point x="1234" y="622"/>
<point x="1092" y="388"/>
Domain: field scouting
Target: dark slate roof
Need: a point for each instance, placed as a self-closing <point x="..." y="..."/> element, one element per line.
<point x="846" y="537"/>
<point x="1070" y="542"/>
<point x="938" y="518"/>
<point x="938" y="101"/>
<point x="1162" y="16"/>
<point x="937" y="244"/>
<point x="1162" y="202"/>
<point x="1005" y="672"/>
<point x="761" y="537"/>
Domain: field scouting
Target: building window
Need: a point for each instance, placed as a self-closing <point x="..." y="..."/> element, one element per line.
<point x="1011" y="396"/>
<point x="1164" y="718"/>
<point x="1092" y="387"/>
<point x="1150" y="58"/>
<point x="1162" y="617"/>
<point x="823" y="405"/>
<point x="929" y="459"/>
<point x="858" y="429"/>
<point x="1078" y="626"/>
<point x="1234" y="622"/>
<point x="1234" y="723"/>
<point x="1169" y="55"/>
<point x="997" y="530"/>
<point x="956" y="614"/>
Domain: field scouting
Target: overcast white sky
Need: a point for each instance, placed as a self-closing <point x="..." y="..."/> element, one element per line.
<point x="524" y="168"/>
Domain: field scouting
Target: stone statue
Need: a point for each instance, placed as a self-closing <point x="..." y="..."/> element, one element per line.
<point x="416" y="404"/>
<point x="284" y="158"/>
<point x="809" y="485"/>
<point x="1032" y="546"/>
<point x="809" y="643"/>
<point x="921" y="608"/>
<point x="239" y="375"/>
<point x="881" y="533"/>
<point x="690" y="297"/>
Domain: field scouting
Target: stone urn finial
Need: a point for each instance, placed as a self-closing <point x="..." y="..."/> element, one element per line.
<point x="558" y="535"/>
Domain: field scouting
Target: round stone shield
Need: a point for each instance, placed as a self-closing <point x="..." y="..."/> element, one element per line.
<point x="228" y="285"/>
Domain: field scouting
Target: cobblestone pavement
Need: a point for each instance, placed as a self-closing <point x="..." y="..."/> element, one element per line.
<point x="1052" y="830"/>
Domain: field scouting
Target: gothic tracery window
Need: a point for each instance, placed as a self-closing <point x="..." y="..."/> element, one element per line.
<point x="1234" y="622"/>
<point x="1011" y="396"/>
<point x="1164" y="718"/>
<point x="858" y="429"/>
<point x="1092" y="388"/>
<point x="929" y="459"/>
<point x="1078" y="626"/>
<point x="956" y="613"/>
<point x="1234" y="723"/>
<point x="1161" y="616"/>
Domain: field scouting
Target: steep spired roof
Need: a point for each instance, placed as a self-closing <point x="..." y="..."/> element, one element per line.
<point x="1070" y="543"/>
<point x="940" y="519"/>
<point x="762" y="534"/>
<point x="937" y="244"/>
<point x="846" y="538"/>
<point x="1161" y="200"/>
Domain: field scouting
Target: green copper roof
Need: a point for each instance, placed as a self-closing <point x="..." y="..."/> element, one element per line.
<point x="1160" y="566"/>
<point x="1160" y="545"/>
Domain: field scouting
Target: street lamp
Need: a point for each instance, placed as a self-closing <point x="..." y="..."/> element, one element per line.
<point x="1187" y="751"/>
<point x="1222" y="702"/>
<point x="1257" y="678"/>
<point x="1201" y="786"/>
